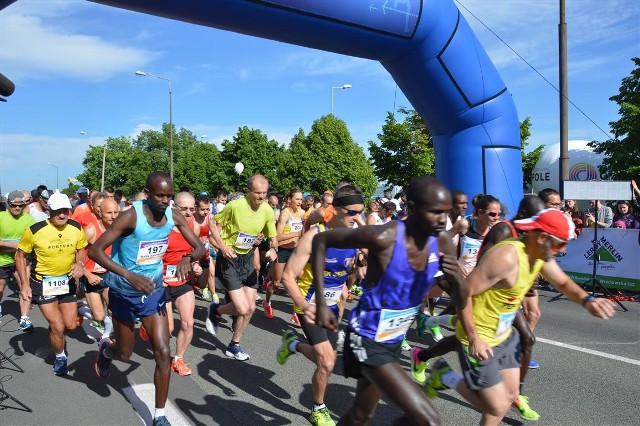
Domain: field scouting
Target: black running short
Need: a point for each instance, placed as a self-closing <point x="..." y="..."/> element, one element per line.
<point x="361" y="352"/>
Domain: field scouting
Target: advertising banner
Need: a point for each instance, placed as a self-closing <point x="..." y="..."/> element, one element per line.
<point x="618" y="251"/>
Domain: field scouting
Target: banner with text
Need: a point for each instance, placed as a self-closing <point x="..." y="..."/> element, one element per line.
<point x="619" y="254"/>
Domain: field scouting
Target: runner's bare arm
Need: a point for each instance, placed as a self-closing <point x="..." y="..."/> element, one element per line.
<point x="183" y="268"/>
<point x="122" y="226"/>
<point x="227" y="252"/>
<point x="21" y="269"/>
<point x="601" y="308"/>
<point x="456" y="286"/>
<point x="293" y="270"/>
<point x="374" y="238"/>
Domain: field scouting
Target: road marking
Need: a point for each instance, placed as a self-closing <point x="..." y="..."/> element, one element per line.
<point x="142" y="399"/>
<point x="589" y="351"/>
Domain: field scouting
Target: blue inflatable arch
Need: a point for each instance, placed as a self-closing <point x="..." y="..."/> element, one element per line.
<point x="428" y="48"/>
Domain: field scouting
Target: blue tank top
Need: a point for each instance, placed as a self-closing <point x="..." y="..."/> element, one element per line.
<point x="386" y="311"/>
<point x="337" y="266"/>
<point x="141" y="252"/>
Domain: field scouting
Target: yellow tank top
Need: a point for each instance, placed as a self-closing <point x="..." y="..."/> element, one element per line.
<point x="495" y="309"/>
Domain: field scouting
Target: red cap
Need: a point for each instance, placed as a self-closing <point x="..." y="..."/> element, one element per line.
<point x="552" y="221"/>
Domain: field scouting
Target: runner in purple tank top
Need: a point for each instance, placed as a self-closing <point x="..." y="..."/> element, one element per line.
<point x="405" y="259"/>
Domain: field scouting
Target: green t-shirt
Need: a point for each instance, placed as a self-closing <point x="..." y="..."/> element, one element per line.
<point x="241" y="224"/>
<point x="11" y="229"/>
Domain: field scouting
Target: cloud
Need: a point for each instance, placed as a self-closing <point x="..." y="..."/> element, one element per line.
<point x="39" y="43"/>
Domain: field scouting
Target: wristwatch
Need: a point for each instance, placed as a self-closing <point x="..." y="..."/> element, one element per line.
<point x="588" y="298"/>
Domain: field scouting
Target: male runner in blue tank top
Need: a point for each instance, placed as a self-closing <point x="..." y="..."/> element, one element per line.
<point x="140" y="237"/>
<point x="405" y="260"/>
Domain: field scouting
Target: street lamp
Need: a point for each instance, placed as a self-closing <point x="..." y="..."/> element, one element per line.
<point x="146" y="74"/>
<point x="57" y="184"/>
<point x="104" y="158"/>
<point x="344" y="86"/>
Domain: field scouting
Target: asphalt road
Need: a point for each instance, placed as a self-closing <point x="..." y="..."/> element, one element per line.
<point x="589" y="375"/>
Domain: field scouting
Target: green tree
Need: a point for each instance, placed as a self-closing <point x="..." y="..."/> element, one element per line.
<point x="256" y="152"/>
<point x="529" y="160"/>
<point x="405" y="149"/>
<point x="622" y="153"/>
<point x="326" y="156"/>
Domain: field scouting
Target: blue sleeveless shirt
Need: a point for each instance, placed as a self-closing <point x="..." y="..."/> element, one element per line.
<point x="386" y="311"/>
<point x="140" y="252"/>
<point x="338" y="265"/>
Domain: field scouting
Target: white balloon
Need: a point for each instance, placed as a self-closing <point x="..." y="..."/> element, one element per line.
<point x="239" y="167"/>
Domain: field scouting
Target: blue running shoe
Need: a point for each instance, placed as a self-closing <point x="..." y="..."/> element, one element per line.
<point x="161" y="421"/>
<point x="60" y="366"/>
<point x="235" y="351"/>
<point x="102" y="365"/>
<point x="533" y="365"/>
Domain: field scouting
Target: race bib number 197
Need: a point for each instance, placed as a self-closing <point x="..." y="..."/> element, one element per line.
<point x="151" y="252"/>
<point x="245" y="241"/>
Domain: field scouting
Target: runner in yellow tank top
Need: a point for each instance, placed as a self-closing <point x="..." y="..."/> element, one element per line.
<point x="488" y="350"/>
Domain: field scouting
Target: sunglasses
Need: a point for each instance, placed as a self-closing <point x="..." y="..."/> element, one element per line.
<point x="15" y="205"/>
<point x="493" y="214"/>
<point x="351" y="212"/>
<point x="557" y="243"/>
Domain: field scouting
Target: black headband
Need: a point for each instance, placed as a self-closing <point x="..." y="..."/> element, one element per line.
<point x="347" y="200"/>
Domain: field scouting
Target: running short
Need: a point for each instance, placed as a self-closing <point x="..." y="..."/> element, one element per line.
<point x="264" y="245"/>
<point x="213" y="253"/>
<point x="315" y="334"/>
<point x="238" y="272"/>
<point x="88" y="288"/>
<point x="128" y="308"/>
<point x="39" y="299"/>
<point x="6" y="271"/>
<point x="284" y="254"/>
<point x="484" y="374"/>
<point x="172" y="293"/>
<point x="361" y="352"/>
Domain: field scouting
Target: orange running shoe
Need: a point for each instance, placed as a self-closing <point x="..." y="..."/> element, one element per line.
<point x="143" y="333"/>
<point x="180" y="367"/>
<point x="79" y="320"/>
<point x="295" y="320"/>
<point x="268" y="310"/>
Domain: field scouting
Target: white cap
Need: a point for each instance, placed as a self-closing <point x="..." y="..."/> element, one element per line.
<point x="59" y="201"/>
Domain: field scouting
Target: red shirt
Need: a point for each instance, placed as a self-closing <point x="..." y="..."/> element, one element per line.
<point x="176" y="249"/>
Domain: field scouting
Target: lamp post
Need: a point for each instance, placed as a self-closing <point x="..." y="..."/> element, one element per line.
<point x="57" y="184"/>
<point x="146" y="74"/>
<point x="344" y="86"/>
<point x="104" y="158"/>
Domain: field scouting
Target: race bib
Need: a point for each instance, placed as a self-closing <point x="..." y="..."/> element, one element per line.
<point x="170" y="274"/>
<point x="331" y="295"/>
<point x="296" y="227"/>
<point x="151" y="252"/>
<point x="245" y="241"/>
<point x="504" y="324"/>
<point x="394" y="323"/>
<point x="55" y="286"/>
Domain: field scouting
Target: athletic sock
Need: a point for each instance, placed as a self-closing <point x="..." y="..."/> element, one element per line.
<point x="108" y="326"/>
<point x="451" y="379"/>
<point x="175" y="358"/>
<point x="293" y="346"/>
<point x="318" y="407"/>
<point x="158" y="412"/>
<point x="61" y="355"/>
<point x="439" y="320"/>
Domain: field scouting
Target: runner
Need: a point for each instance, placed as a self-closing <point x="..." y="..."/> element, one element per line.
<point x="206" y="282"/>
<point x="96" y="291"/>
<point x="404" y="262"/>
<point x="241" y="221"/>
<point x="338" y="265"/>
<point x="488" y="350"/>
<point x="13" y="223"/>
<point x="289" y="230"/>
<point x="58" y="245"/>
<point x="140" y="237"/>
<point x="180" y="291"/>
